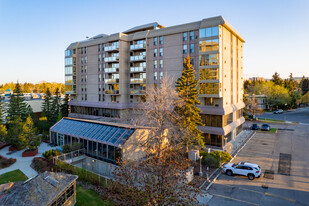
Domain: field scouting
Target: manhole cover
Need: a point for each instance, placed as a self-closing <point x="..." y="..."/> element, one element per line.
<point x="284" y="164"/>
<point x="269" y="174"/>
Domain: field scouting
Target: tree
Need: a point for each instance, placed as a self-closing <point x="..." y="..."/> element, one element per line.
<point x="253" y="106"/>
<point x="47" y="105"/>
<point x="290" y="84"/>
<point x="65" y="106"/>
<point x="1" y="112"/>
<point x="28" y="136"/>
<point x="278" y="96"/>
<point x="305" y="86"/>
<point x="55" y="106"/>
<point x="305" y="98"/>
<point x="17" y="106"/>
<point x="277" y="80"/>
<point x="186" y="86"/>
<point x="3" y="133"/>
<point x="14" y="132"/>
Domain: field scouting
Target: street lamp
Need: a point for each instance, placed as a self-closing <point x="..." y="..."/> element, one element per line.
<point x="201" y="173"/>
<point x="207" y="174"/>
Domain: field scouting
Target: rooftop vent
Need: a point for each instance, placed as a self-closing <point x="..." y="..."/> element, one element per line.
<point x="51" y="181"/>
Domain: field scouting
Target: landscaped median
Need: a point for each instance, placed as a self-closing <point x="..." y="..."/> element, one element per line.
<point x="272" y="130"/>
<point x="275" y="121"/>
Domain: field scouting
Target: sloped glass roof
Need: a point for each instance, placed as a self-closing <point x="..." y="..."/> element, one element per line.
<point x="106" y="134"/>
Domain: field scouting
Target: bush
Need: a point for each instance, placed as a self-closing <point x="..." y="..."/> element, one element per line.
<point x="51" y="153"/>
<point x="4" y="162"/>
<point x="76" y="146"/>
<point x="212" y="159"/>
<point x="66" y="148"/>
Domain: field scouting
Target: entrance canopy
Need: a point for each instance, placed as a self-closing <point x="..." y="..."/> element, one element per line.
<point x="92" y="130"/>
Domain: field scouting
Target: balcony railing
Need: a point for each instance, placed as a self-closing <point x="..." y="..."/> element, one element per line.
<point x="111" y="59"/>
<point x="137" y="58"/>
<point x="137" y="92"/>
<point x="111" y="81"/>
<point x="111" y="91"/>
<point x="138" y="46"/>
<point x="111" y="48"/>
<point x="137" y="80"/>
<point x="137" y="69"/>
<point x="111" y="70"/>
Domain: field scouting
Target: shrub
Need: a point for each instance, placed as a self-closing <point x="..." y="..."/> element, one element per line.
<point x="225" y="157"/>
<point x="76" y="146"/>
<point x="212" y="159"/>
<point x="66" y="148"/>
<point x="4" y="162"/>
<point x="209" y="161"/>
<point x="51" y="153"/>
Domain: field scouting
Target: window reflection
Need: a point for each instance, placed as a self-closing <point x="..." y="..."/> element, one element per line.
<point x="209" y="74"/>
<point x="209" y="59"/>
<point x="208" y="32"/>
<point x="209" y="88"/>
<point x="209" y="45"/>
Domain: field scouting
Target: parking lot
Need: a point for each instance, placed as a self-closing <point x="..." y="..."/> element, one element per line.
<point x="283" y="157"/>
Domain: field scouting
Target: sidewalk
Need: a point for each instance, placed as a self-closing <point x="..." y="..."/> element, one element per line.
<point x="23" y="163"/>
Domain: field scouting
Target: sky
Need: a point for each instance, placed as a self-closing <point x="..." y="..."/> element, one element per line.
<point x="35" y="33"/>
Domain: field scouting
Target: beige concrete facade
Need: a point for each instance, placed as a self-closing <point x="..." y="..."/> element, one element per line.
<point x="217" y="57"/>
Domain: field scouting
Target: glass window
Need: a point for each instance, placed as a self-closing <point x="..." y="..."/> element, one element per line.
<point x="161" y="75"/>
<point x="111" y="152"/>
<point x="209" y="101"/>
<point x="209" y="59"/>
<point x="161" y="63"/>
<point x="155" y="65"/>
<point x="185" y="36"/>
<point x="209" y="74"/>
<point x="68" y="79"/>
<point x="155" y="75"/>
<point x="209" y="45"/>
<point x="68" y="70"/>
<point x="208" y="32"/>
<point x="202" y="33"/>
<point x="161" y="40"/>
<point x="161" y="52"/>
<point x="191" y="35"/>
<point x="184" y="49"/>
<point x="215" y="31"/>
<point x="209" y="88"/>
<point x="68" y="61"/>
<point x="155" y="52"/>
<point x="155" y="41"/>
<point x="191" y="48"/>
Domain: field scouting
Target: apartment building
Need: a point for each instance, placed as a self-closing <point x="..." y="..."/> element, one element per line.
<point x="107" y="75"/>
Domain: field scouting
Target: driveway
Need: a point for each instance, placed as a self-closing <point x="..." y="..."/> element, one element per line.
<point x="283" y="158"/>
<point x="23" y="163"/>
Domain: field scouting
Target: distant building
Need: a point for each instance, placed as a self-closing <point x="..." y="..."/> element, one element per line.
<point x="257" y="79"/>
<point x="48" y="188"/>
<point x="261" y="101"/>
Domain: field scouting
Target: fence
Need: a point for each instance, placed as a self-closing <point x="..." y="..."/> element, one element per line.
<point x="63" y="164"/>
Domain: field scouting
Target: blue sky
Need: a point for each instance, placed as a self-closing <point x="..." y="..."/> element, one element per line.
<point x="34" y="34"/>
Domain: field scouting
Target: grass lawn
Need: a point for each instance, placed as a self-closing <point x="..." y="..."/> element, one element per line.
<point x="89" y="197"/>
<point x="270" y="120"/>
<point x="12" y="176"/>
<point x="272" y="130"/>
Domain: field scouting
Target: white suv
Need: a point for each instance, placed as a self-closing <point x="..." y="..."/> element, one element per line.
<point x="243" y="168"/>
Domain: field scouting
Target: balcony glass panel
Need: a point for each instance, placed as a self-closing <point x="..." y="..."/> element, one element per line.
<point x="138" y="69"/>
<point x="137" y="91"/>
<point x="209" y="45"/>
<point x="110" y="70"/>
<point x="111" y="48"/>
<point x="111" y="81"/>
<point x="111" y="59"/>
<point x="136" y="58"/>
<point x="209" y="59"/>
<point x="138" y="80"/>
<point x="209" y="88"/>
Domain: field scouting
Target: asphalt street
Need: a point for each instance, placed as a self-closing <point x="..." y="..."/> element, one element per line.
<point x="299" y="115"/>
<point x="284" y="157"/>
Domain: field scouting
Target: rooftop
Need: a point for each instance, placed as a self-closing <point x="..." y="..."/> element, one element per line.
<point x="150" y="26"/>
<point x="41" y="190"/>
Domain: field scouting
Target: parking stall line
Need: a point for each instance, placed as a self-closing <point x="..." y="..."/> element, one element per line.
<point x="238" y="200"/>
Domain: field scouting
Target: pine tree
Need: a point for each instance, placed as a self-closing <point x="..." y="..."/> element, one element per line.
<point x="277" y="80"/>
<point x="1" y="112"/>
<point x="28" y="137"/>
<point x="65" y="106"/>
<point x="55" y="106"/>
<point x="47" y="105"/>
<point x="186" y="86"/>
<point x="17" y="105"/>
<point x="14" y="132"/>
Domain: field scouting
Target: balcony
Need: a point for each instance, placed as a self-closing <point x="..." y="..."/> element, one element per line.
<point x="111" y="91"/>
<point x="111" y="59"/>
<point x="137" y="69"/>
<point x="111" y="81"/>
<point x="111" y="48"/>
<point x="137" y="80"/>
<point x="138" y="58"/>
<point x="138" y="46"/>
<point x="111" y="70"/>
<point x="137" y="92"/>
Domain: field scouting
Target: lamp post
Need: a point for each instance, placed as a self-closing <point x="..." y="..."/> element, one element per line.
<point x="201" y="173"/>
<point x="220" y="161"/>
<point x="207" y="174"/>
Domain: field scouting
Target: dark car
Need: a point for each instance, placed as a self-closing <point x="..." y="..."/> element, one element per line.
<point x="265" y="127"/>
<point x="255" y="127"/>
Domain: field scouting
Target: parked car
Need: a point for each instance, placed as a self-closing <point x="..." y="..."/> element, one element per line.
<point x="248" y="169"/>
<point x="278" y="111"/>
<point x="255" y="127"/>
<point x="265" y="127"/>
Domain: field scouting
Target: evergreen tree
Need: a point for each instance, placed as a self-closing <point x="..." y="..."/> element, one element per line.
<point x="55" y="106"/>
<point x="277" y="80"/>
<point x="14" y="132"/>
<point x="17" y="105"/>
<point x="186" y="86"/>
<point x="28" y="136"/>
<point x="59" y="116"/>
<point x="65" y="106"/>
<point x="305" y="86"/>
<point x="3" y="133"/>
<point x="47" y="105"/>
<point x="1" y="112"/>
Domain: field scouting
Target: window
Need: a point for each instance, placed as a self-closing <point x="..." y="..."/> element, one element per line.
<point x="155" y="65"/>
<point x="99" y="97"/>
<point x="161" y="63"/>
<point x="191" y="35"/>
<point x="68" y="53"/>
<point x="99" y="47"/>
<point x="70" y="192"/>
<point x="209" y="88"/>
<point x="85" y="97"/>
<point x="227" y="119"/>
<point x="68" y="61"/>
<point x="209" y="101"/>
<point x="161" y="75"/>
<point x="85" y="50"/>
<point x="209" y="45"/>
<point x="185" y="36"/>
<point x="209" y="74"/>
<point x="85" y="60"/>
<point x="155" y="52"/>
<point x="209" y="59"/>
<point x="212" y="120"/>
<point x="161" y="52"/>
<point x="68" y="79"/>
<point x="155" y="41"/>
<point x="68" y="70"/>
<point x="155" y="76"/>
<point x="82" y="60"/>
<point x="184" y="49"/>
<point x="99" y="69"/>
<point x="161" y="40"/>
<point x="191" y="48"/>
<point x="208" y="32"/>
<point x="85" y="68"/>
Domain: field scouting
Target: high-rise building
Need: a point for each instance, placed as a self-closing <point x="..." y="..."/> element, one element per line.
<point x="107" y="75"/>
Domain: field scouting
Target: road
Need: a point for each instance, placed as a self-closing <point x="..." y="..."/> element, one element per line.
<point x="289" y="183"/>
<point x="300" y="115"/>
